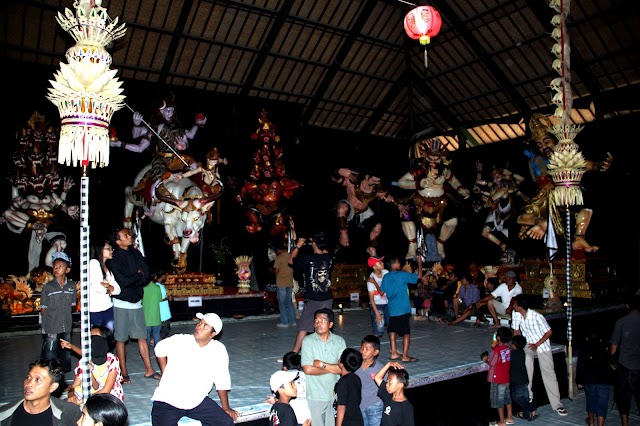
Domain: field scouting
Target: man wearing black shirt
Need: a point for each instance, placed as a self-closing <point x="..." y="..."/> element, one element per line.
<point x="317" y="282"/>
<point x="39" y="408"/>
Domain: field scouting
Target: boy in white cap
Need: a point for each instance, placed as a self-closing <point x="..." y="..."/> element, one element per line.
<point x="283" y="386"/>
<point x="191" y="364"/>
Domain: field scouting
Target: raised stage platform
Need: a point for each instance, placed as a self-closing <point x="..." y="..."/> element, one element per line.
<point x="227" y="303"/>
<point x="449" y="367"/>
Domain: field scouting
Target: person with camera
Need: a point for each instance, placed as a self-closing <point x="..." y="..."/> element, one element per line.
<point x="316" y="267"/>
<point x="284" y="287"/>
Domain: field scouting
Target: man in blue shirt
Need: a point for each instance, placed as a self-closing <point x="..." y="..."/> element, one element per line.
<point x="468" y="295"/>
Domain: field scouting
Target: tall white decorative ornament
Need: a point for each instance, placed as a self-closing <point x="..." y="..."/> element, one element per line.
<point x="567" y="164"/>
<point x="85" y="90"/>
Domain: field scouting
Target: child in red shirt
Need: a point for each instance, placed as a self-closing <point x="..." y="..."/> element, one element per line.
<point x="498" y="376"/>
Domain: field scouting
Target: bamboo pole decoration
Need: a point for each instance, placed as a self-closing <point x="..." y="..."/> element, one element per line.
<point x="85" y="323"/>
<point x="569" y="302"/>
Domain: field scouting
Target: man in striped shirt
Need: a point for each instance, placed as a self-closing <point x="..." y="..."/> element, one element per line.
<point x="535" y="328"/>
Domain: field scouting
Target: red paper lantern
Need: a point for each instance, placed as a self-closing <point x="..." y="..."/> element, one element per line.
<point x="422" y="23"/>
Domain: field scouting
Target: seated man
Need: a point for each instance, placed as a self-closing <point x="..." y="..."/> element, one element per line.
<point x="451" y="289"/>
<point x="505" y="291"/>
<point x="438" y="308"/>
<point x="38" y="406"/>
<point x="468" y="295"/>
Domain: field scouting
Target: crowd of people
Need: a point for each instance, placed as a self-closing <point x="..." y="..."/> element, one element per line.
<point x="322" y="381"/>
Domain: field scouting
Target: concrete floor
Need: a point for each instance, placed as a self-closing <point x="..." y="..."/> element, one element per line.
<point x="255" y="344"/>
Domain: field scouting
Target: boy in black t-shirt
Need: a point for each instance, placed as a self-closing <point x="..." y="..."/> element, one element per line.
<point x="397" y="409"/>
<point x="348" y="390"/>
<point x="519" y="380"/>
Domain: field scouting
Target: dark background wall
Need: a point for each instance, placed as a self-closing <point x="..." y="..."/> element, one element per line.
<point x="311" y="155"/>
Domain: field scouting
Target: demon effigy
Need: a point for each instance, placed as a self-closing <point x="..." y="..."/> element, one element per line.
<point x="175" y="190"/>
<point x="433" y="218"/>
<point x="38" y="191"/>
<point x="354" y="212"/>
<point x="493" y="196"/>
<point x="268" y="186"/>
<point x="541" y="209"/>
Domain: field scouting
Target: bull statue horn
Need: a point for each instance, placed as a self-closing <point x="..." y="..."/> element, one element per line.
<point x="164" y="195"/>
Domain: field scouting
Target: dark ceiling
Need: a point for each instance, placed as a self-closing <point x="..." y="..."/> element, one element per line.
<point x="349" y="65"/>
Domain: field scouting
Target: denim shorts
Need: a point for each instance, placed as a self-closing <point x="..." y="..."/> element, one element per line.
<point x="500" y="395"/>
<point x="597" y="398"/>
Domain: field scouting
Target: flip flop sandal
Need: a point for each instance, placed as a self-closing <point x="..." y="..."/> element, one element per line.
<point x="155" y="375"/>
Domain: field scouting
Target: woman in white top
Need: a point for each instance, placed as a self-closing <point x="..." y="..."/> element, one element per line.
<point x="378" y="302"/>
<point x="102" y="285"/>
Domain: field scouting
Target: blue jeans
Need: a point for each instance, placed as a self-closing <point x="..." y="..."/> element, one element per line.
<point x="372" y="415"/>
<point x="384" y="311"/>
<point x="153" y="331"/>
<point x="285" y="304"/>
<point x="520" y="395"/>
<point x="51" y="349"/>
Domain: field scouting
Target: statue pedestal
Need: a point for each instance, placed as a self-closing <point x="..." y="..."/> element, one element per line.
<point x="347" y="279"/>
<point x="244" y="286"/>
<point x="192" y="284"/>
<point x="590" y="277"/>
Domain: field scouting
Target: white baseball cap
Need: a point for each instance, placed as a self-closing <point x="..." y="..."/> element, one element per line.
<point x="212" y="319"/>
<point x="281" y="377"/>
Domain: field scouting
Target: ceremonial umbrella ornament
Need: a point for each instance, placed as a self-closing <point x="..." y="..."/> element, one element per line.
<point x="244" y="273"/>
<point x="422" y="23"/>
<point x="87" y="93"/>
<point x="567" y="164"/>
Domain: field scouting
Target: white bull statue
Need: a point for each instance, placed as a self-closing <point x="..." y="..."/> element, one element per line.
<point x="179" y="204"/>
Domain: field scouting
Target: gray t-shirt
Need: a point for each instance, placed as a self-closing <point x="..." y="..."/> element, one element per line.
<point x="626" y="334"/>
<point x="369" y="387"/>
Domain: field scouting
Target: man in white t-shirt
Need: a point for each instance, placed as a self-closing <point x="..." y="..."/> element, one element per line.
<point x="506" y="292"/>
<point x="191" y="364"/>
<point x="378" y="302"/>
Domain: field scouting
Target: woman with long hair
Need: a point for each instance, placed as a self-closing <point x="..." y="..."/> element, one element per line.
<point x="102" y="285"/>
<point x="104" y="409"/>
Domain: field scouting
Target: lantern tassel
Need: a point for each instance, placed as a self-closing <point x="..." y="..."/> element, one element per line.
<point x="426" y="58"/>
